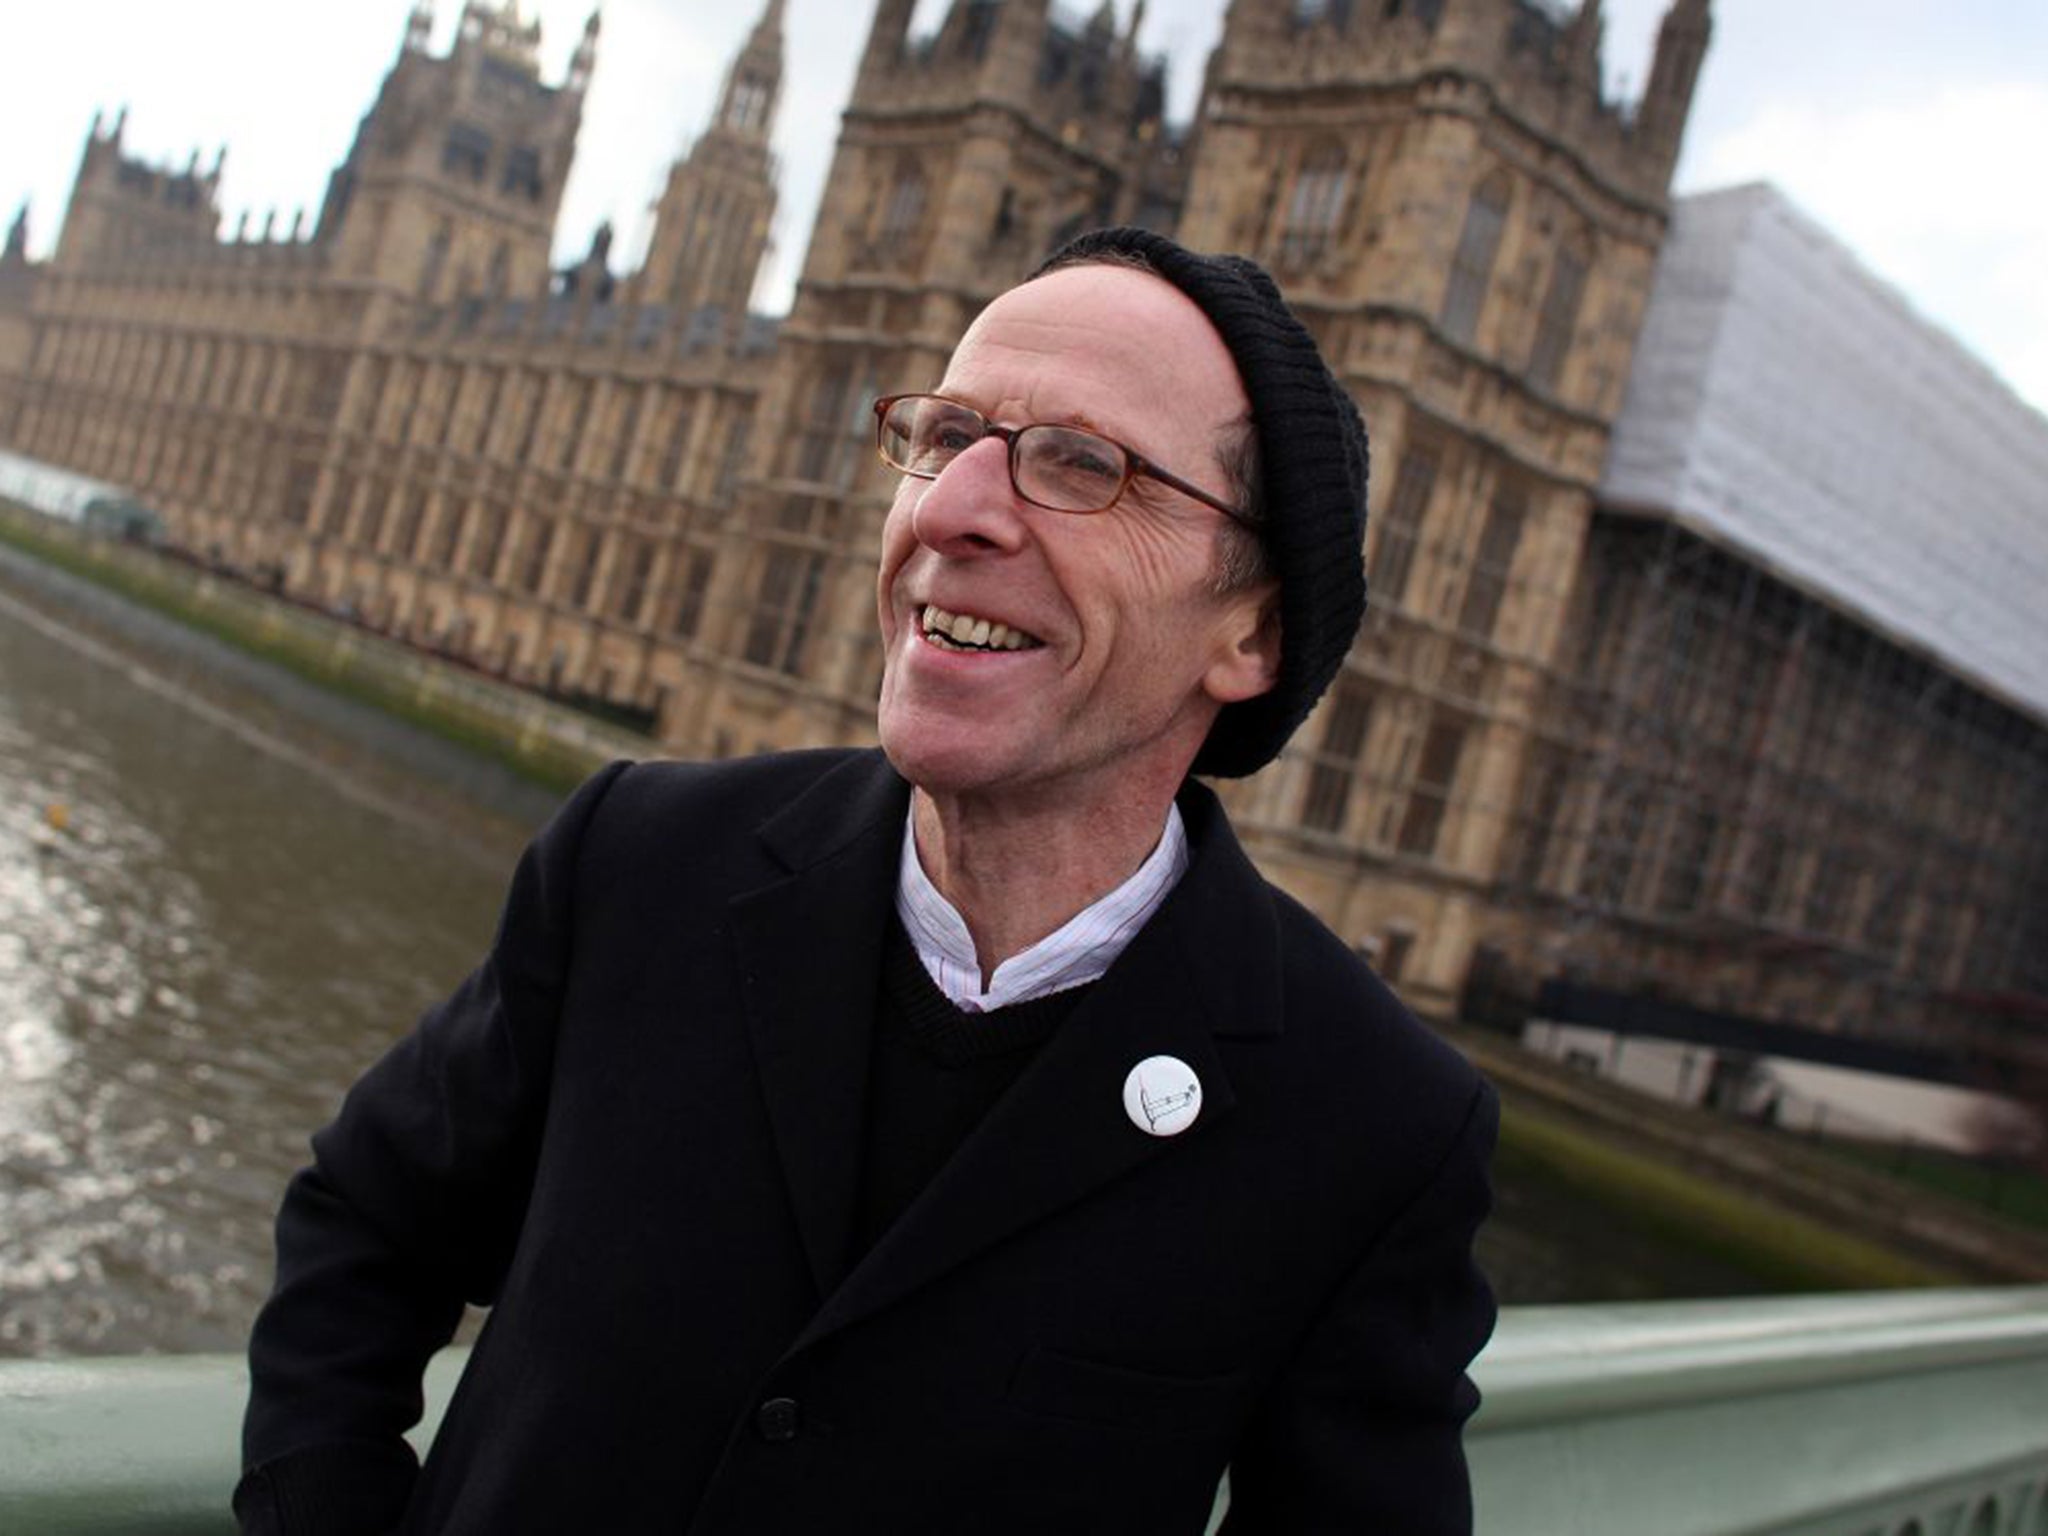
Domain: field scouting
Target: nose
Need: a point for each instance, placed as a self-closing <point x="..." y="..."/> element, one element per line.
<point x="972" y="507"/>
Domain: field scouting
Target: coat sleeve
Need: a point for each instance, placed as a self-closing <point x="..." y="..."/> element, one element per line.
<point x="1362" y="1433"/>
<point x="411" y="1207"/>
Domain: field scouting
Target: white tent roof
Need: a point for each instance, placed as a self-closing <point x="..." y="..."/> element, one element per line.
<point x="1790" y="407"/>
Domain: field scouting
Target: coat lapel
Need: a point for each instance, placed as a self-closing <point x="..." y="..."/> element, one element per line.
<point x="1206" y="965"/>
<point x="809" y="952"/>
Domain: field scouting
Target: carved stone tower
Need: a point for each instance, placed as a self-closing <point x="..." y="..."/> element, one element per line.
<point x="123" y="209"/>
<point x="712" y="222"/>
<point x="456" y="173"/>
<point x="1470" y="226"/>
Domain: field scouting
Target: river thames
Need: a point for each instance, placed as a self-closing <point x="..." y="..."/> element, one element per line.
<point x="218" y="903"/>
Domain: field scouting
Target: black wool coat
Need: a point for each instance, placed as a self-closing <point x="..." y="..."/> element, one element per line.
<point x="633" y="1132"/>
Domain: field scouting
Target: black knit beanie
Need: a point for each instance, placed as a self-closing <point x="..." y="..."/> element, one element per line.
<point x="1312" y="458"/>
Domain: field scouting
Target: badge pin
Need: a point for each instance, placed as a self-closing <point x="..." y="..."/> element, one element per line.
<point x="1162" y="1095"/>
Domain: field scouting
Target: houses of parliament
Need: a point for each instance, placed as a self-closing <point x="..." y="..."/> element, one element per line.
<point x="625" y="489"/>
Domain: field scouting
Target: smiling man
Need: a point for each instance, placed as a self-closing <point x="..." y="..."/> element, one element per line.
<point x="956" y="1137"/>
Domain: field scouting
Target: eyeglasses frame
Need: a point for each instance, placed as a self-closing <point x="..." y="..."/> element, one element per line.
<point x="1135" y="463"/>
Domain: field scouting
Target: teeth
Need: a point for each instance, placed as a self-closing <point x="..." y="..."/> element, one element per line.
<point x="962" y="630"/>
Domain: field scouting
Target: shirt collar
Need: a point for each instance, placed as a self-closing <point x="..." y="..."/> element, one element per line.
<point x="1079" y="951"/>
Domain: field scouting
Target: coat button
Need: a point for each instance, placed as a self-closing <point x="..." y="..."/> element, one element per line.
<point x="776" y="1419"/>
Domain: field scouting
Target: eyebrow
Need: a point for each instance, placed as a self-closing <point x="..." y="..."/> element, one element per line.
<point x="1078" y="419"/>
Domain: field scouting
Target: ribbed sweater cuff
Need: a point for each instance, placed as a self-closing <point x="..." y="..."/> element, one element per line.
<point x="352" y="1488"/>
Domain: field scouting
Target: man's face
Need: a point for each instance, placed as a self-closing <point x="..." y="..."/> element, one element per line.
<point x="1128" y="651"/>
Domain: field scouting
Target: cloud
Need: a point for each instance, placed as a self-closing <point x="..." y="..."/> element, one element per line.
<point x="1933" y="195"/>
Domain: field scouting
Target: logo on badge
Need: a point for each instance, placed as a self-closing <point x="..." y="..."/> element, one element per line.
<point x="1162" y="1095"/>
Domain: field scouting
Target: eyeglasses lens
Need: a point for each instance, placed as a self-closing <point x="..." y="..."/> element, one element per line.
<point x="1063" y="468"/>
<point x="1068" y="469"/>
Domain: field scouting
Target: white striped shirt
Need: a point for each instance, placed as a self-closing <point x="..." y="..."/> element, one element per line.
<point x="1078" y="951"/>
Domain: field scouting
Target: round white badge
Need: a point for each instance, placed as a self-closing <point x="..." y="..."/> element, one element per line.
<point x="1162" y="1096"/>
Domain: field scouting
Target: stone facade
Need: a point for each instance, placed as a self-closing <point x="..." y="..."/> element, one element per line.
<point x="627" y="491"/>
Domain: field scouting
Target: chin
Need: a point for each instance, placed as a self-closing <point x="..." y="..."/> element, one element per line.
<point x="935" y="767"/>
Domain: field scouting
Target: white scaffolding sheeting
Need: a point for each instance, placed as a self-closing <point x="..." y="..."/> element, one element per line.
<point x="1789" y="406"/>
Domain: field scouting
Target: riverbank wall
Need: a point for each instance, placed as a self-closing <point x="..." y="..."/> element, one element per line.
<point x="546" y="744"/>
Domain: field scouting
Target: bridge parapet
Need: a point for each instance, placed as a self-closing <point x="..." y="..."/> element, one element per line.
<point x="1889" y="1414"/>
<point x="1894" y="1414"/>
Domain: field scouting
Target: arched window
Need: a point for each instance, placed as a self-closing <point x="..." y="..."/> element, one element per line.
<point x="1559" y="317"/>
<point x="904" y="209"/>
<point x="435" y="259"/>
<point x="1315" y="206"/>
<point x="1472" y="267"/>
<point x="748" y="105"/>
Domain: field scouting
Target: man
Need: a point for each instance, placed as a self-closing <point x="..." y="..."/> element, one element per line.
<point x="998" y="1154"/>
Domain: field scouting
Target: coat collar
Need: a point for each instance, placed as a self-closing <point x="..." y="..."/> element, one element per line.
<point x="1207" y="965"/>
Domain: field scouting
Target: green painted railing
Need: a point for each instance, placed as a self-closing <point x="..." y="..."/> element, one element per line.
<point x="1901" y="1414"/>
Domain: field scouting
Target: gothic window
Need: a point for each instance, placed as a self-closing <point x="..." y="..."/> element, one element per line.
<point x="490" y="539"/>
<point x="904" y="208"/>
<point x="408" y="530"/>
<point x="629" y="430"/>
<point x="487" y="411"/>
<point x="466" y="151"/>
<point x="1495" y="558"/>
<point x="586" y="570"/>
<point x="675" y="445"/>
<point x="579" y="419"/>
<point x="690" y="589"/>
<point x="731" y="462"/>
<point x="1542" y="809"/>
<point x="522" y="176"/>
<point x="1694" y="828"/>
<point x="1315" y="207"/>
<point x="637" y="563"/>
<point x="539" y="547"/>
<point x="824" y="428"/>
<point x="529" y="420"/>
<point x="1309" y="13"/>
<point x="447" y="535"/>
<point x="230" y="377"/>
<point x="782" y="610"/>
<point x="1472" y="266"/>
<point x="1429" y="793"/>
<point x="748" y="108"/>
<point x="500" y="277"/>
<point x="1616" y="840"/>
<point x="435" y="259"/>
<point x="1401" y="524"/>
<point x="373" y="516"/>
<point x="1559" y="316"/>
<point x="259" y="394"/>
<point x="1333" y="768"/>
<point x="976" y="30"/>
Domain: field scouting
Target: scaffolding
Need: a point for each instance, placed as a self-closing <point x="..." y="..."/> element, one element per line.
<point x="1793" y="757"/>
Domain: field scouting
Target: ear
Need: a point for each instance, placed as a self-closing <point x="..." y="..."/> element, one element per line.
<point x="1248" y="661"/>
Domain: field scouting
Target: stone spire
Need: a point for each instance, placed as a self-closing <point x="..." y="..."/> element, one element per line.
<point x="1681" y="49"/>
<point x="584" y="63"/>
<point x="754" y="82"/>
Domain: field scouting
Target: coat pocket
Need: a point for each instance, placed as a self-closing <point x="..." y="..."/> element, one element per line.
<point x="1096" y="1392"/>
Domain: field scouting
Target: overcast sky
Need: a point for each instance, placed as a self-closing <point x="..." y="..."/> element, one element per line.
<point x="1910" y="128"/>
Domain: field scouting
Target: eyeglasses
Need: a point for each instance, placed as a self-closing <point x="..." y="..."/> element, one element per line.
<point x="1063" y="469"/>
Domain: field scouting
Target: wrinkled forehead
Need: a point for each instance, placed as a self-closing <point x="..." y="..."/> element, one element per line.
<point x="1102" y="345"/>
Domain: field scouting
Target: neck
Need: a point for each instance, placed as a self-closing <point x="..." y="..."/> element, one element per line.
<point x="1017" y="873"/>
